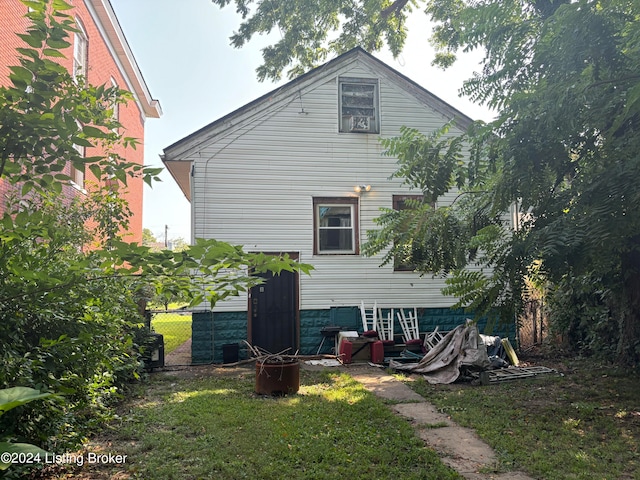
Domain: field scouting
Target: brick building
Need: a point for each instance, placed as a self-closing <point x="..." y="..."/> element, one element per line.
<point x="101" y="52"/>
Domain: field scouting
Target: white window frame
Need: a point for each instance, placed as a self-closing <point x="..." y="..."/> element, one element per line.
<point x="80" y="52"/>
<point x="78" y="175"/>
<point x="352" y="119"/>
<point x="115" y="105"/>
<point x="319" y="230"/>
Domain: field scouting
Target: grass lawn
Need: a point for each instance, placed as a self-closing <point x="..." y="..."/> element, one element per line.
<point x="208" y="423"/>
<point x="174" y="327"/>
<point x="213" y="426"/>
<point x="583" y="425"/>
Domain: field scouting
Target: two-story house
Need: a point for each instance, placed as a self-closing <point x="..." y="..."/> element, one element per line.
<point x="300" y="170"/>
<point x="100" y="53"/>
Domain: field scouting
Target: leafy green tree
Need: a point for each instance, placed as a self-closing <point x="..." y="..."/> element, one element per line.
<point x="148" y="238"/>
<point x="69" y="315"/>
<point x="563" y="79"/>
<point x="312" y="31"/>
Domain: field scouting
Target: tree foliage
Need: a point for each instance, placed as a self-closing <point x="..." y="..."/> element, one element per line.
<point x="312" y="31"/>
<point x="563" y="77"/>
<point x="70" y="287"/>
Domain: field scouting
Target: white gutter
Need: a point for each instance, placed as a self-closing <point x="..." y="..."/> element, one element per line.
<point x="107" y="22"/>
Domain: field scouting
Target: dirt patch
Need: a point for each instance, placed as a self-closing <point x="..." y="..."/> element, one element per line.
<point x="180" y="356"/>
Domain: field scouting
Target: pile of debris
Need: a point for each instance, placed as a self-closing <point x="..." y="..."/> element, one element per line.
<point x="464" y="353"/>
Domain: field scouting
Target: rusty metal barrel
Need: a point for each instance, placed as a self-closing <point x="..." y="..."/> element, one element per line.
<point x="278" y="378"/>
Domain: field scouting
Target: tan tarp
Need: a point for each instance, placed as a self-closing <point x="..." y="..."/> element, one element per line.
<point x="460" y="347"/>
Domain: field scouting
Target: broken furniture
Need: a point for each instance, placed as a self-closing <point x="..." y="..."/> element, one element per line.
<point x="512" y="373"/>
<point x="384" y="326"/>
<point x="329" y="331"/>
<point x="369" y="319"/>
<point x="431" y="339"/>
<point x="351" y="346"/>
<point x="408" y="321"/>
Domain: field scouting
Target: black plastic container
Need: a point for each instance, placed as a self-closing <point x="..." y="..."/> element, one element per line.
<point x="230" y="352"/>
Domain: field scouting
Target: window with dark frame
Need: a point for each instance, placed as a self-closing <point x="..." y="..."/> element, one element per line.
<point x="358" y="109"/>
<point x="335" y="226"/>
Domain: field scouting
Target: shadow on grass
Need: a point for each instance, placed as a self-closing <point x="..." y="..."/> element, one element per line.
<point x="217" y="427"/>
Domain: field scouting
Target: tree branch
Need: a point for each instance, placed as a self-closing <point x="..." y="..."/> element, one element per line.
<point x="83" y="279"/>
<point x="615" y="80"/>
<point x="395" y="8"/>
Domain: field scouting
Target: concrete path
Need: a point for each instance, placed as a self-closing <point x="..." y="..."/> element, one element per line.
<point x="460" y="448"/>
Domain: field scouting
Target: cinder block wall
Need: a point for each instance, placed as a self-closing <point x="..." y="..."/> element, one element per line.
<point x="211" y="331"/>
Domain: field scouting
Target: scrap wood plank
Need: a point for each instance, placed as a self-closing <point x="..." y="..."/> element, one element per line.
<point x="512" y="373"/>
<point x="511" y="353"/>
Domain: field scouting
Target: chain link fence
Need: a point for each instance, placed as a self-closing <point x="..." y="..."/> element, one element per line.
<point x="533" y="325"/>
<point x="175" y="327"/>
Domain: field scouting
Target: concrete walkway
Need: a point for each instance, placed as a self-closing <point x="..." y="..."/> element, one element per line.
<point x="460" y="448"/>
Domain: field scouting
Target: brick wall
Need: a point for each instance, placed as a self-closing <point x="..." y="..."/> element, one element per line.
<point x="102" y="68"/>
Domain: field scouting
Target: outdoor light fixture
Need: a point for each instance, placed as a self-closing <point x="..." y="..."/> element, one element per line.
<point x="362" y="188"/>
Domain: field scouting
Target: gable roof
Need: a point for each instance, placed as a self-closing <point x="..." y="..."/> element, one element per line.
<point x="180" y="167"/>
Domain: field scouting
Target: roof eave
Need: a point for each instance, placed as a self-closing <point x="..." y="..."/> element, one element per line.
<point x="181" y="172"/>
<point x="124" y="56"/>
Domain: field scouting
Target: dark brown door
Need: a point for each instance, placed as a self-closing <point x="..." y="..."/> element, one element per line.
<point x="273" y="309"/>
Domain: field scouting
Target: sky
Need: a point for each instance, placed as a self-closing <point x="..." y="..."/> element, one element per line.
<point x="182" y="48"/>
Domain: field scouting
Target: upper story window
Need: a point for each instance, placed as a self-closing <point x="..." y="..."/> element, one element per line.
<point x="336" y="226"/>
<point x="80" y="52"/>
<point x="359" y="108"/>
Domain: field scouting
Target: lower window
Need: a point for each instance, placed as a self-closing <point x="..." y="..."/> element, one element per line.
<point x="335" y="221"/>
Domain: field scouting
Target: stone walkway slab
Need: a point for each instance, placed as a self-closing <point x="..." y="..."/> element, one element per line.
<point x="460" y="448"/>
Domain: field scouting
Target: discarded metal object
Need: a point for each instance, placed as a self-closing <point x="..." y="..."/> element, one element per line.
<point x="277" y="374"/>
<point x="512" y="373"/>
<point x="278" y="379"/>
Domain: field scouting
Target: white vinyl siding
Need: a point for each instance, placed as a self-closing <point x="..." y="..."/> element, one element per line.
<point x="255" y="179"/>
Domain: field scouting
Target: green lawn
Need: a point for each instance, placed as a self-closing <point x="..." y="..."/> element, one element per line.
<point x="175" y="328"/>
<point x="584" y="424"/>
<point x="208" y="423"/>
<point x="216" y="427"/>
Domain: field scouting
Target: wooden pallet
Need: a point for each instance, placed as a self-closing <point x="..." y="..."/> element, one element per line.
<point x="512" y="373"/>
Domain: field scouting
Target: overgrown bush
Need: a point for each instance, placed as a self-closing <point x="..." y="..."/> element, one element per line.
<point x="71" y="290"/>
<point x="582" y="312"/>
<point x="60" y="332"/>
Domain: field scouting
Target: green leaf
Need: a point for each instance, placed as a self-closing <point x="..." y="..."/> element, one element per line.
<point x="15" y="396"/>
<point x="26" y="188"/>
<point x="58" y="43"/>
<point x="35" y="452"/>
<point x="31" y="40"/>
<point x="95" y="132"/>
<point x="52" y="52"/>
<point x="96" y="170"/>
<point x="22" y="73"/>
<point x="61" y="5"/>
<point x="83" y="142"/>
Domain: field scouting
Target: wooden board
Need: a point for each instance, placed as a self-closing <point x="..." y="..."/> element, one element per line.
<point x="512" y="373"/>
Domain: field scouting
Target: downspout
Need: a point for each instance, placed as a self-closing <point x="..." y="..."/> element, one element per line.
<point x="192" y="190"/>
